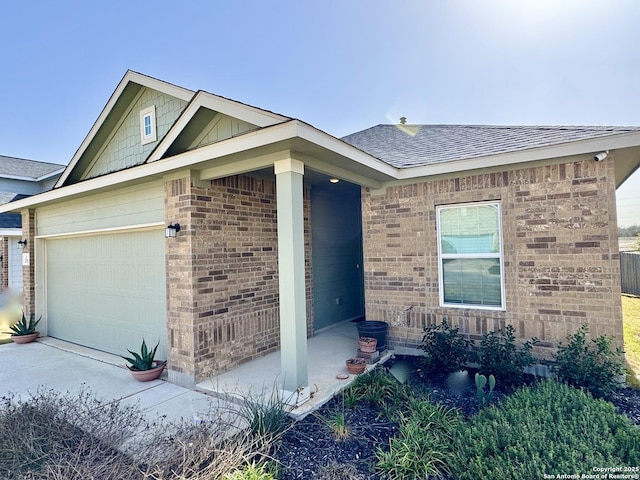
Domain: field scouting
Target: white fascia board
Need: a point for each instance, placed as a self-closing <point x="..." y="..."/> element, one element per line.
<point x="336" y="145"/>
<point x="33" y="179"/>
<point x="335" y="171"/>
<point x="259" y="138"/>
<point x="19" y="177"/>
<point x="10" y="232"/>
<point x="242" y="111"/>
<point x="224" y="106"/>
<point x="591" y="145"/>
<point x="49" y="175"/>
<point x="243" y="166"/>
<point x="133" y="77"/>
<point x="159" y="85"/>
<point x="230" y="146"/>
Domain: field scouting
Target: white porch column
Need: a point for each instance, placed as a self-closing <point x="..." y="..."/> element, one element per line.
<point x="293" y="312"/>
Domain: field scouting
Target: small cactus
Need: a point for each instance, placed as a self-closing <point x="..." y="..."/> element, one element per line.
<point x="484" y="398"/>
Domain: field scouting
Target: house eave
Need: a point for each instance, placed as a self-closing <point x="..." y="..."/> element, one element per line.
<point x="328" y="155"/>
<point x="50" y="175"/>
<point x="294" y="136"/>
<point x="202" y="99"/>
<point x="33" y="179"/>
<point x="588" y="146"/>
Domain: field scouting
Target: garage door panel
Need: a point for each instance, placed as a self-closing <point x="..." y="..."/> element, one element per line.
<point x="108" y="291"/>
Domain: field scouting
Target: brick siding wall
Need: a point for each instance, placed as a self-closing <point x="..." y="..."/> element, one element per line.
<point x="561" y="266"/>
<point x="222" y="273"/>
<point x="28" y="271"/>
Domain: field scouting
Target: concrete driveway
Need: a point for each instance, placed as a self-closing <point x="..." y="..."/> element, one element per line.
<point x="64" y="367"/>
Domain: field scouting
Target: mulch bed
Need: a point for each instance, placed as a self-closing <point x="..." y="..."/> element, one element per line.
<point x="310" y="444"/>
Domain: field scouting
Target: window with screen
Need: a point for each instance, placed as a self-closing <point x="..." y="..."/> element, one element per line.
<point x="470" y="255"/>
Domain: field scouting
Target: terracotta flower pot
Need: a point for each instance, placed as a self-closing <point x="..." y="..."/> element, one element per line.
<point x="356" y="365"/>
<point x="28" y="338"/>
<point x="151" y="374"/>
<point x="367" y="344"/>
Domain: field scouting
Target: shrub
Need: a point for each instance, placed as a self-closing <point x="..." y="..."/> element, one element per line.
<point x="446" y="351"/>
<point x="499" y="356"/>
<point x="50" y="435"/>
<point x="265" y="416"/>
<point x="549" y="428"/>
<point x="250" y="472"/>
<point x="596" y="366"/>
<point x="377" y="387"/>
<point x="424" y="444"/>
<point x="67" y="436"/>
<point x="336" y="421"/>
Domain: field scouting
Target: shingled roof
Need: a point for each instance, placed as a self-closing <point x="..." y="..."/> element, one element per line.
<point x="10" y="220"/>
<point x="32" y="169"/>
<point x="407" y="145"/>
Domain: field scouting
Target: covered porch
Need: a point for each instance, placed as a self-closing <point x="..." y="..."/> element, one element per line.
<point x="261" y="378"/>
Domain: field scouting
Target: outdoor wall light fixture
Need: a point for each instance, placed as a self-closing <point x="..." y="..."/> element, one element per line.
<point x="334" y="180"/>
<point x="171" y="230"/>
<point x="21" y="244"/>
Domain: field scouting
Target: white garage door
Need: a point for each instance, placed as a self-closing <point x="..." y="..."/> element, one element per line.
<point x="108" y="291"/>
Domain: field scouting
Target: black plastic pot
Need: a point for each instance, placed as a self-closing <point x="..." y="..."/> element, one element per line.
<point x="375" y="329"/>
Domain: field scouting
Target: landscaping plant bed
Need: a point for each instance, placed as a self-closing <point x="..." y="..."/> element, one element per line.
<point x="310" y="445"/>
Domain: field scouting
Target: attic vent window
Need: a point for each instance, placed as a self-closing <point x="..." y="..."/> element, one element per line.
<point x="148" y="125"/>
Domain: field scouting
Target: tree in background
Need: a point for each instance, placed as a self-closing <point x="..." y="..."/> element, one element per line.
<point x="631" y="231"/>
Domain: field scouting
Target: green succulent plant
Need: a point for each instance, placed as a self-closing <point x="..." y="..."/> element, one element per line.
<point x="484" y="398"/>
<point x="24" y="326"/>
<point x="142" y="361"/>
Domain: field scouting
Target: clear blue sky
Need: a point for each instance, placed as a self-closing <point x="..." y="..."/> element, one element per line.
<point x="340" y="65"/>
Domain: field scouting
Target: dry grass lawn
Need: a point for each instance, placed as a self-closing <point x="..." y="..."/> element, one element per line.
<point x="631" y="315"/>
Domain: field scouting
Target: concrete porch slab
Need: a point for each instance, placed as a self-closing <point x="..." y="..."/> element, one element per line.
<point x="326" y="352"/>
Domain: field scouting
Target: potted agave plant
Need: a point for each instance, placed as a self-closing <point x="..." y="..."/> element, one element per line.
<point x="144" y="367"/>
<point x="24" y="331"/>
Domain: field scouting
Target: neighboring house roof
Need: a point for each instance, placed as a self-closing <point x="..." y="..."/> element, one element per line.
<point x="6" y="197"/>
<point x="405" y="146"/>
<point x="12" y="167"/>
<point x="10" y="220"/>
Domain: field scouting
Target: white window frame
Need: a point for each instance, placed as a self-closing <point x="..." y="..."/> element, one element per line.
<point x="152" y="136"/>
<point x="444" y="256"/>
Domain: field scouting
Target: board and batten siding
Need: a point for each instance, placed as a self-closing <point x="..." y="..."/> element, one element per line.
<point x="136" y="205"/>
